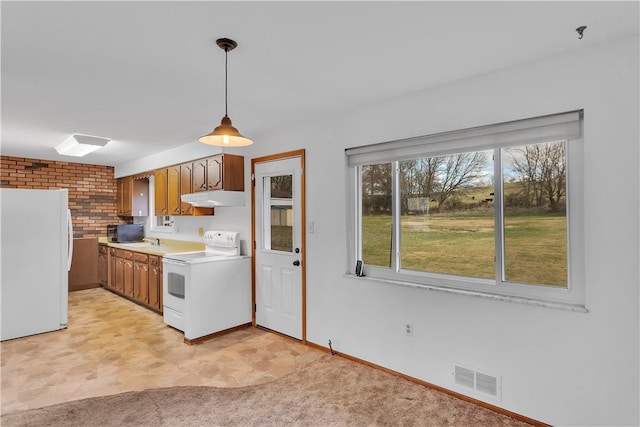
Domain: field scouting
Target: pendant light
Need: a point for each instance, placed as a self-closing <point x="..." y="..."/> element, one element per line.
<point x="226" y="135"/>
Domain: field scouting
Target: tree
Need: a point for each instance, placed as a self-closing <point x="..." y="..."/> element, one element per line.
<point x="282" y="186"/>
<point x="458" y="171"/>
<point x="376" y="188"/>
<point x="418" y="177"/>
<point x="428" y="177"/>
<point x="541" y="170"/>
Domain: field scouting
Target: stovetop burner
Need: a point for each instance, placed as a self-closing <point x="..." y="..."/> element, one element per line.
<point x="193" y="255"/>
<point x="218" y="245"/>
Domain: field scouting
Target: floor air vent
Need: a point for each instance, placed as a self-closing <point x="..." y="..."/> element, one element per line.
<point x="481" y="382"/>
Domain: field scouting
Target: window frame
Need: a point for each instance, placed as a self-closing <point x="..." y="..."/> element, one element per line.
<point x="496" y="138"/>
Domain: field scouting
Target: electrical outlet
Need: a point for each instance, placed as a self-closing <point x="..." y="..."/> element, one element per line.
<point x="408" y="329"/>
<point x="200" y="231"/>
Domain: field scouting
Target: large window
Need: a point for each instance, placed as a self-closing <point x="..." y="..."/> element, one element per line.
<point x="490" y="210"/>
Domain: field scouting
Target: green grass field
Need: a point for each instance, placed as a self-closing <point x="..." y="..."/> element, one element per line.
<point x="463" y="244"/>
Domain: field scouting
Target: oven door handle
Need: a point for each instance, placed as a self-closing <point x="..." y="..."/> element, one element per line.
<point x="172" y="261"/>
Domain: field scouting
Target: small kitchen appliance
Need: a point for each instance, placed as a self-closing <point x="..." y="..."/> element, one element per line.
<point x="209" y="291"/>
<point x="123" y="233"/>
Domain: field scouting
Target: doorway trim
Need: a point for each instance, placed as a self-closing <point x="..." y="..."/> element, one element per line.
<point x="303" y="227"/>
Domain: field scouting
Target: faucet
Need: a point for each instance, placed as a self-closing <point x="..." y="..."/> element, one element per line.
<point x="154" y="241"/>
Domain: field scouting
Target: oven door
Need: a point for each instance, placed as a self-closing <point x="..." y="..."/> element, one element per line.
<point x="175" y="275"/>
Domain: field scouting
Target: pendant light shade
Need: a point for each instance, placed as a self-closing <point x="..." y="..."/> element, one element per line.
<point x="226" y="135"/>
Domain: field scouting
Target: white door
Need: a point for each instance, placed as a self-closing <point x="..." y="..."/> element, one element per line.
<point x="278" y="246"/>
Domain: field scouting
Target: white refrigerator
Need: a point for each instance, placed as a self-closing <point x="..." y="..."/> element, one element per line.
<point x="35" y="257"/>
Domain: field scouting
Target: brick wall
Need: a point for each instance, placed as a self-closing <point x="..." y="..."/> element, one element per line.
<point x="92" y="189"/>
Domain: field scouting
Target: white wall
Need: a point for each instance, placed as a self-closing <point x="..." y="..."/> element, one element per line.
<point x="559" y="367"/>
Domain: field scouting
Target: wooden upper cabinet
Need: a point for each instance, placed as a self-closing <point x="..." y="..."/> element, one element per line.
<point x="220" y="172"/>
<point x="160" y="178"/>
<point x="125" y="196"/>
<point x="173" y="189"/>
<point x="186" y="180"/>
<point x="225" y="172"/>
<point x="199" y="175"/>
<point x="214" y="173"/>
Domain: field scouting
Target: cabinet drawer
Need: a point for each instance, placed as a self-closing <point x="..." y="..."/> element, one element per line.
<point x="138" y="257"/>
<point x="154" y="261"/>
<point x="121" y="253"/>
<point x="173" y="318"/>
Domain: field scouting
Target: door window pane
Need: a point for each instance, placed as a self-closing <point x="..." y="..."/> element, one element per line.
<point x="535" y="214"/>
<point x="447" y="214"/>
<point x="278" y="215"/>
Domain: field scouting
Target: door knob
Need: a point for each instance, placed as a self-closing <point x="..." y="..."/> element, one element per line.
<point x="296" y="263"/>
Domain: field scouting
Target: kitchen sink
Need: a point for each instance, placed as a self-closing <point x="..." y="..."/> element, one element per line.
<point x="137" y="244"/>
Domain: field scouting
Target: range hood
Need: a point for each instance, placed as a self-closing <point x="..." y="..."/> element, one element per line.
<point x="215" y="198"/>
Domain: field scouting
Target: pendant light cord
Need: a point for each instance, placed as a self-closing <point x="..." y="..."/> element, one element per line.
<point x="226" y="60"/>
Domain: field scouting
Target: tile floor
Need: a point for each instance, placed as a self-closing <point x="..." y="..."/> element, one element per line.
<point x="113" y="345"/>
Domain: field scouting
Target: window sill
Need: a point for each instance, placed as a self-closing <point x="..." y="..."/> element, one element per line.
<point x="508" y="298"/>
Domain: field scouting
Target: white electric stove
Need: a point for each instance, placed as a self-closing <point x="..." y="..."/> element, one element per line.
<point x="208" y="292"/>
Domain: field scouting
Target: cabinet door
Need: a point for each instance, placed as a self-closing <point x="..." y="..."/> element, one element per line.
<point x="214" y="173"/>
<point x="225" y="172"/>
<point x="141" y="282"/>
<point x="160" y="191"/>
<point x="155" y="290"/>
<point x="173" y="190"/>
<point x="232" y="172"/>
<point x="118" y="273"/>
<point x="103" y="265"/>
<point x="199" y="175"/>
<point x="128" y="277"/>
<point x="111" y="274"/>
<point x="186" y="179"/>
<point x="125" y="193"/>
<point x="119" y="194"/>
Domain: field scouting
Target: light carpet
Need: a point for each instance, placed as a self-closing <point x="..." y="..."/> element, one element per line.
<point x="331" y="391"/>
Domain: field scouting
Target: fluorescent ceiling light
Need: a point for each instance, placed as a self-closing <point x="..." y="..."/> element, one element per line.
<point x="78" y="145"/>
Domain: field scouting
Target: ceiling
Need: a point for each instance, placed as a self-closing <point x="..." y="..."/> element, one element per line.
<point x="149" y="76"/>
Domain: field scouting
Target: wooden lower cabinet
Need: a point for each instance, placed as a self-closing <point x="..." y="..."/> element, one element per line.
<point x="111" y="269"/>
<point x="118" y="284"/>
<point x="103" y="264"/>
<point x="128" y="277"/>
<point x="137" y="276"/>
<point x="141" y="278"/>
<point x="155" y="282"/>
